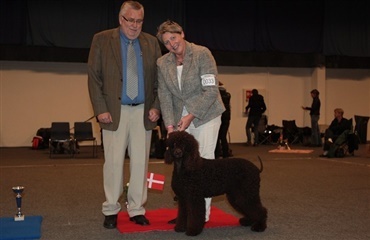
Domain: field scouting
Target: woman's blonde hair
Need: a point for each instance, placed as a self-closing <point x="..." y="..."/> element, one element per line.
<point x="168" y="26"/>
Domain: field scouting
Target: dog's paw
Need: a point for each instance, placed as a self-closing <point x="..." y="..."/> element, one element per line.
<point x="180" y="228"/>
<point x="259" y="227"/>
<point x="245" y="221"/>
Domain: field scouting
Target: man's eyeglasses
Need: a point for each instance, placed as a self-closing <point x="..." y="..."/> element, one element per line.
<point x="132" y="21"/>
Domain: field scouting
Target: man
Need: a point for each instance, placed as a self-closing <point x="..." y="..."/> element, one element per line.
<point x="127" y="120"/>
<point x="336" y="128"/>
<point x="222" y="147"/>
<point x="257" y="106"/>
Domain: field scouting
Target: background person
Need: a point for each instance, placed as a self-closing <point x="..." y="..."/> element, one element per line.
<point x="315" y="116"/>
<point x="256" y="106"/>
<point x="188" y="90"/>
<point x="127" y="122"/>
<point x="336" y="128"/>
<point x="222" y="147"/>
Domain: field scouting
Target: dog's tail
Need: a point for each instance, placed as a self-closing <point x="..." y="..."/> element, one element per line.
<point x="261" y="169"/>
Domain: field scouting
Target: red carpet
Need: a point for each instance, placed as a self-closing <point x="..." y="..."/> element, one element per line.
<point x="159" y="218"/>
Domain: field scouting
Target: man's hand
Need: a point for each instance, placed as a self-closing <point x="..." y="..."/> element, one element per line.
<point x="105" y="118"/>
<point x="154" y="114"/>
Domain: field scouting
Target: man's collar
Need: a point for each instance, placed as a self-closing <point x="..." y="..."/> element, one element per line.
<point x="127" y="41"/>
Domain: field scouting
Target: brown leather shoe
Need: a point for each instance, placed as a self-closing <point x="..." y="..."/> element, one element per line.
<point x="110" y="221"/>
<point x="140" y="219"/>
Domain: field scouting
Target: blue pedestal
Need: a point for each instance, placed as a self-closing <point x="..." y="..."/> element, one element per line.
<point x="30" y="228"/>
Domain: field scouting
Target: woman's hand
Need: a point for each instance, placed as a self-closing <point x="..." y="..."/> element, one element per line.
<point x="185" y="121"/>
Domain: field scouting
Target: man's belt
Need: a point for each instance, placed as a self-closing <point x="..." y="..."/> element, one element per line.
<point x="133" y="104"/>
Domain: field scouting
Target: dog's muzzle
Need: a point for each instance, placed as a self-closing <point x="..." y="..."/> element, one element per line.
<point x="177" y="153"/>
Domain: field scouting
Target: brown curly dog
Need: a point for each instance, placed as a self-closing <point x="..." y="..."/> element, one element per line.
<point x="195" y="178"/>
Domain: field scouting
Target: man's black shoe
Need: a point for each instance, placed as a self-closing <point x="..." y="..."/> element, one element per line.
<point x="110" y="221"/>
<point x="140" y="219"/>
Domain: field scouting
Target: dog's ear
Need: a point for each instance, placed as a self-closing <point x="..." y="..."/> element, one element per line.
<point x="192" y="160"/>
<point x="173" y="139"/>
<point x="167" y="154"/>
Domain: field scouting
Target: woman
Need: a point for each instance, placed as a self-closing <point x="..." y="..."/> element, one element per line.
<point x="315" y="116"/>
<point x="188" y="90"/>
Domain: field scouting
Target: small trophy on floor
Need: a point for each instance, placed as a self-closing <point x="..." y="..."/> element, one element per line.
<point x="283" y="143"/>
<point x="19" y="215"/>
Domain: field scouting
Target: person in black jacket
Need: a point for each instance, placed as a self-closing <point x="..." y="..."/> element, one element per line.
<point x="222" y="147"/>
<point x="256" y="107"/>
<point x="315" y="116"/>
<point x="336" y="128"/>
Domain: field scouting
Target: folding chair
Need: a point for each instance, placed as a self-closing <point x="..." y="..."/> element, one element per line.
<point x="292" y="132"/>
<point x="60" y="141"/>
<point x="264" y="133"/>
<point x="83" y="132"/>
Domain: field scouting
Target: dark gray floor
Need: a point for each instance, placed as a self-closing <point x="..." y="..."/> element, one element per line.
<point x="308" y="197"/>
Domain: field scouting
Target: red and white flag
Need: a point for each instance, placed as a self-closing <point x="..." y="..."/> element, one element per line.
<point x="155" y="181"/>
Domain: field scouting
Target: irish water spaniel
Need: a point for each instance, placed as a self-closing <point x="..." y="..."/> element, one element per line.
<point x="195" y="178"/>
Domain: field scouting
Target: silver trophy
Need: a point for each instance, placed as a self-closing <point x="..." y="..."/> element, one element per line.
<point x="19" y="215"/>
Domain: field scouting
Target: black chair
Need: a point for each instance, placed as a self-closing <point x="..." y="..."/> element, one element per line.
<point x="264" y="133"/>
<point x="83" y="132"/>
<point x="60" y="141"/>
<point x="292" y="132"/>
<point x="361" y="127"/>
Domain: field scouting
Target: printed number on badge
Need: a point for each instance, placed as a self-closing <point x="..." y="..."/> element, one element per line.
<point x="208" y="80"/>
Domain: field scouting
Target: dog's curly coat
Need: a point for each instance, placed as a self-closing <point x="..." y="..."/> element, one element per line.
<point x="195" y="178"/>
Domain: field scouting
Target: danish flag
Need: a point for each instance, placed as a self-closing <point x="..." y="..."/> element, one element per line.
<point x="155" y="181"/>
